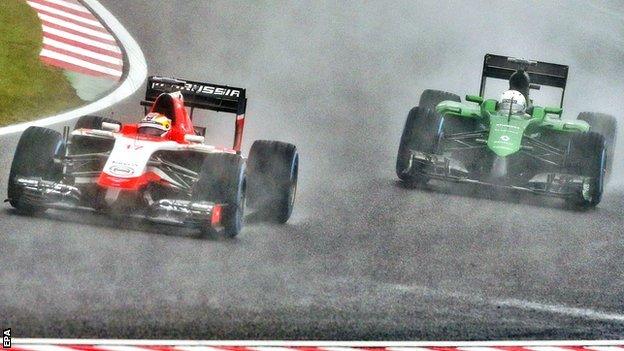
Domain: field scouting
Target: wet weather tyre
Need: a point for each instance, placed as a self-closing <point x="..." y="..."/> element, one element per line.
<point x="408" y="141"/>
<point x="586" y="156"/>
<point x="606" y="125"/>
<point x="93" y="122"/>
<point x="34" y="158"/>
<point x="273" y="172"/>
<point x="222" y="180"/>
<point x="421" y="133"/>
<point x="431" y="98"/>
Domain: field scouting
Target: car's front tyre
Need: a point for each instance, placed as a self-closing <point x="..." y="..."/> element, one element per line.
<point x="605" y="125"/>
<point x="586" y="156"/>
<point x="34" y="158"/>
<point x="222" y="180"/>
<point x="421" y="132"/>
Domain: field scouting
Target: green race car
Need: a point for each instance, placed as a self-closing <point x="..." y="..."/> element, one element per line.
<point x="509" y="142"/>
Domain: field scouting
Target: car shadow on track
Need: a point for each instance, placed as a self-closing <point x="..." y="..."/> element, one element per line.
<point x="485" y="192"/>
<point x="118" y="223"/>
<point x="127" y="223"/>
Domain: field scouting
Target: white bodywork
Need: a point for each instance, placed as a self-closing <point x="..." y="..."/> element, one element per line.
<point x="130" y="156"/>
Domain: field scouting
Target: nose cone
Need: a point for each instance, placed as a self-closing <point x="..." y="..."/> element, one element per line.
<point x="504" y="143"/>
<point x="503" y="150"/>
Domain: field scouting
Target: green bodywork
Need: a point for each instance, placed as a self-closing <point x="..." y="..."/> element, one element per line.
<point x="506" y="131"/>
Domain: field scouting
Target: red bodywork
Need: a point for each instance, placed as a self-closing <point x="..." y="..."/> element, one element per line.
<point x="181" y="126"/>
<point x="128" y="184"/>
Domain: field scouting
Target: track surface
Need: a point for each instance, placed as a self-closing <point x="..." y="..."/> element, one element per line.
<point x="362" y="258"/>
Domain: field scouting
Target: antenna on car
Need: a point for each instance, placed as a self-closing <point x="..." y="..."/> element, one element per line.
<point x="513" y="100"/>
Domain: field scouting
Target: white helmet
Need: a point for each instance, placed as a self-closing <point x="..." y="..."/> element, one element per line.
<point x="512" y="100"/>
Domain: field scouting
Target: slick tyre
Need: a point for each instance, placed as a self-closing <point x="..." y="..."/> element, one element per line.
<point x="222" y="180"/>
<point x="606" y="125"/>
<point x="93" y="122"/>
<point x="273" y="172"/>
<point x="586" y="156"/>
<point x="34" y="158"/>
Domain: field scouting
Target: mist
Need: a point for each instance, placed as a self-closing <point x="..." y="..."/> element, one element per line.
<point x="337" y="79"/>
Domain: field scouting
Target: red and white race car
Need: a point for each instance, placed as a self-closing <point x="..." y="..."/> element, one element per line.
<point x="159" y="168"/>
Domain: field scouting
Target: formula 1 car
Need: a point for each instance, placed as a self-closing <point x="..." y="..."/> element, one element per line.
<point x="159" y="169"/>
<point x="511" y="142"/>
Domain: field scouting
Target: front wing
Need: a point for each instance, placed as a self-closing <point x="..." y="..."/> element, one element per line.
<point x="48" y="194"/>
<point x="439" y="167"/>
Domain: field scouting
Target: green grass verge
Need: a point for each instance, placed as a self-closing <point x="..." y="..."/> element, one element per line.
<point x="28" y="88"/>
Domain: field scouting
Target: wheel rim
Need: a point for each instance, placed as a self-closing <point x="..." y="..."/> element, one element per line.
<point x="600" y="177"/>
<point x="292" y="192"/>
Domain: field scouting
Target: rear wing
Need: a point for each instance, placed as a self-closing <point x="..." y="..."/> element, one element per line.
<point x="206" y="96"/>
<point x="541" y="73"/>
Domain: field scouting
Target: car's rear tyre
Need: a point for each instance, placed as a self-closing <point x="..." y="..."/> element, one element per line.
<point x="222" y="180"/>
<point x="273" y="172"/>
<point x="606" y="125"/>
<point x="586" y="156"/>
<point x="93" y="122"/>
<point x="34" y="158"/>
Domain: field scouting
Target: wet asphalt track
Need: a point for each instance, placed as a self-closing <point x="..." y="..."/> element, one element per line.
<point x="362" y="258"/>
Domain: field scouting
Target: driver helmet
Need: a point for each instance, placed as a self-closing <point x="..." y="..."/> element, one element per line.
<point x="512" y="100"/>
<point x="155" y="124"/>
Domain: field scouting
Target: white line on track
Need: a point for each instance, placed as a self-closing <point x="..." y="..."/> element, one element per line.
<point x="137" y="72"/>
<point x="585" y="313"/>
